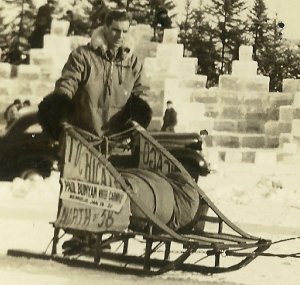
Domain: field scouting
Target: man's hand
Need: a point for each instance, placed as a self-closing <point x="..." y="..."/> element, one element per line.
<point x="53" y="110"/>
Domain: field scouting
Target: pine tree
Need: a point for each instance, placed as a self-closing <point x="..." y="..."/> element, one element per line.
<point x="197" y="37"/>
<point x="144" y="10"/>
<point x="292" y="60"/>
<point x="97" y="13"/>
<point x="228" y="29"/>
<point x="186" y="26"/>
<point x="16" y="28"/>
<point x="2" y="31"/>
<point x="272" y="58"/>
<point x="141" y="11"/>
<point x="259" y="26"/>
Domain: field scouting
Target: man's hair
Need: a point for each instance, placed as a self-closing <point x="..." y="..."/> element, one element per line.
<point x="26" y="103"/>
<point x="169" y="102"/>
<point x="117" y="15"/>
<point x="17" y="101"/>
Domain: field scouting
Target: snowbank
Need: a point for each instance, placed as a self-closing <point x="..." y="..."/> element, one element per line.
<point x="250" y="195"/>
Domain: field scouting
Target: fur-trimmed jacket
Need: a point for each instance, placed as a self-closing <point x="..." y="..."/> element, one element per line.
<point x="98" y="84"/>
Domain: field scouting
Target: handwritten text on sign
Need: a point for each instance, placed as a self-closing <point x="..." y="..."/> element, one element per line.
<point x="152" y="158"/>
<point x="94" y="195"/>
<point x="81" y="217"/>
<point x="81" y="164"/>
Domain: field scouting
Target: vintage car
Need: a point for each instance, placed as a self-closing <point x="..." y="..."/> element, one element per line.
<point x="27" y="151"/>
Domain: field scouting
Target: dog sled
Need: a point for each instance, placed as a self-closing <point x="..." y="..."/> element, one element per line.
<point x="131" y="207"/>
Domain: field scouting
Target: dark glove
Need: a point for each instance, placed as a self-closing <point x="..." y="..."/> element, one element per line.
<point x="135" y="109"/>
<point x="52" y="111"/>
<point x="140" y="111"/>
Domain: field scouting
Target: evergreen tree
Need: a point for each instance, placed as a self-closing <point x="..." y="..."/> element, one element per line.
<point x="144" y="10"/>
<point x="203" y="46"/>
<point x="291" y="62"/>
<point x="2" y="30"/>
<point x="141" y="11"/>
<point x="186" y="26"/>
<point x="197" y="37"/>
<point x="259" y="26"/>
<point x="273" y="56"/>
<point x="97" y="13"/>
<point x="228" y="29"/>
<point x="16" y="28"/>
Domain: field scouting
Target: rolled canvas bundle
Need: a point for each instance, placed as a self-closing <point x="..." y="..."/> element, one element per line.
<point x="170" y="198"/>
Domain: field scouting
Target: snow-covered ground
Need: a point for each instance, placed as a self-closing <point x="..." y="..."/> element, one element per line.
<point x="263" y="200"/>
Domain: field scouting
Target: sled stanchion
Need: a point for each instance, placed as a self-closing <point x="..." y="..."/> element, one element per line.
<point x="56" y="229"/>
<point x="220" y="228"/>
<point x="217" y="259"/>
<point x="125" y="246"/>
<point x="56" y="232"/>
<point x="218" y="254"/>
<point x="55" y="241"/>
<point x="98" y="248"/>
<point x="148" y="250"/>
<point x="167" y="250"/>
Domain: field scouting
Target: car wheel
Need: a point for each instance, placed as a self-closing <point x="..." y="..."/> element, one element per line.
<point x="31" y="174"/>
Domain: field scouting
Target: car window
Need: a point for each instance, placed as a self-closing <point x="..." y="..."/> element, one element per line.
<point x="36" y="128"/>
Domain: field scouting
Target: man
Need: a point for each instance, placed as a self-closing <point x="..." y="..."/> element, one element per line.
<point x="42" y="24"/>
<point x="170" y="118"/>
<point x="26" y="108"/>
<point x="12" y="112"/>
<point x="160" y="22"/>
<point x="98" y="78"/>
<point x="18" y="51"/>
<point x="78" y="26"/>
<point x="99" y="81"/>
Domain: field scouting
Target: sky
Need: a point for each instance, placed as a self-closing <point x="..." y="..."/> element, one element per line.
<point x="288" y="12"/>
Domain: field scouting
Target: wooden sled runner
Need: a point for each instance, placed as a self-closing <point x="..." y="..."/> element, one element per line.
<point x="120" y="229"/>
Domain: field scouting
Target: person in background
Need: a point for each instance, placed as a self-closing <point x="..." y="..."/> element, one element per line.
<point x="26" y="103"/>
<point x="78" y="27"/>
<point x="42" y="24"/>
<point x="12" y="112"/>
<point x="26" y="108"/>
<point x="160" y="22"/>
<point x="18" y="51"/>
<point x="170" y="118"/>
<point x="97" y="17"/>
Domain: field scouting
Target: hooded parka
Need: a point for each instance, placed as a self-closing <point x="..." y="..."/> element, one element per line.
<point x="98" y="83"/>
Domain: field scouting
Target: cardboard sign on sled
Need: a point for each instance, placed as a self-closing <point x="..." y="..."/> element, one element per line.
<point x="91" y="198"/>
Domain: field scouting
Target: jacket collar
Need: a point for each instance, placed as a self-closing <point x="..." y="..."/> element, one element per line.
<point x="99" y="43"/>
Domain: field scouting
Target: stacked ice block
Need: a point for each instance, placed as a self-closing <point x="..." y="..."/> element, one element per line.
<point x="173" y="77"/>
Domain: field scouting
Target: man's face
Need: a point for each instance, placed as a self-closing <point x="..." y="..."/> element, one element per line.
<point x="51" y="3"/>
<point x="116" y="33"/>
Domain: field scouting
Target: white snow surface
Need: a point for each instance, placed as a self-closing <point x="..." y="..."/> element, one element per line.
<point x="263" y="200"/>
